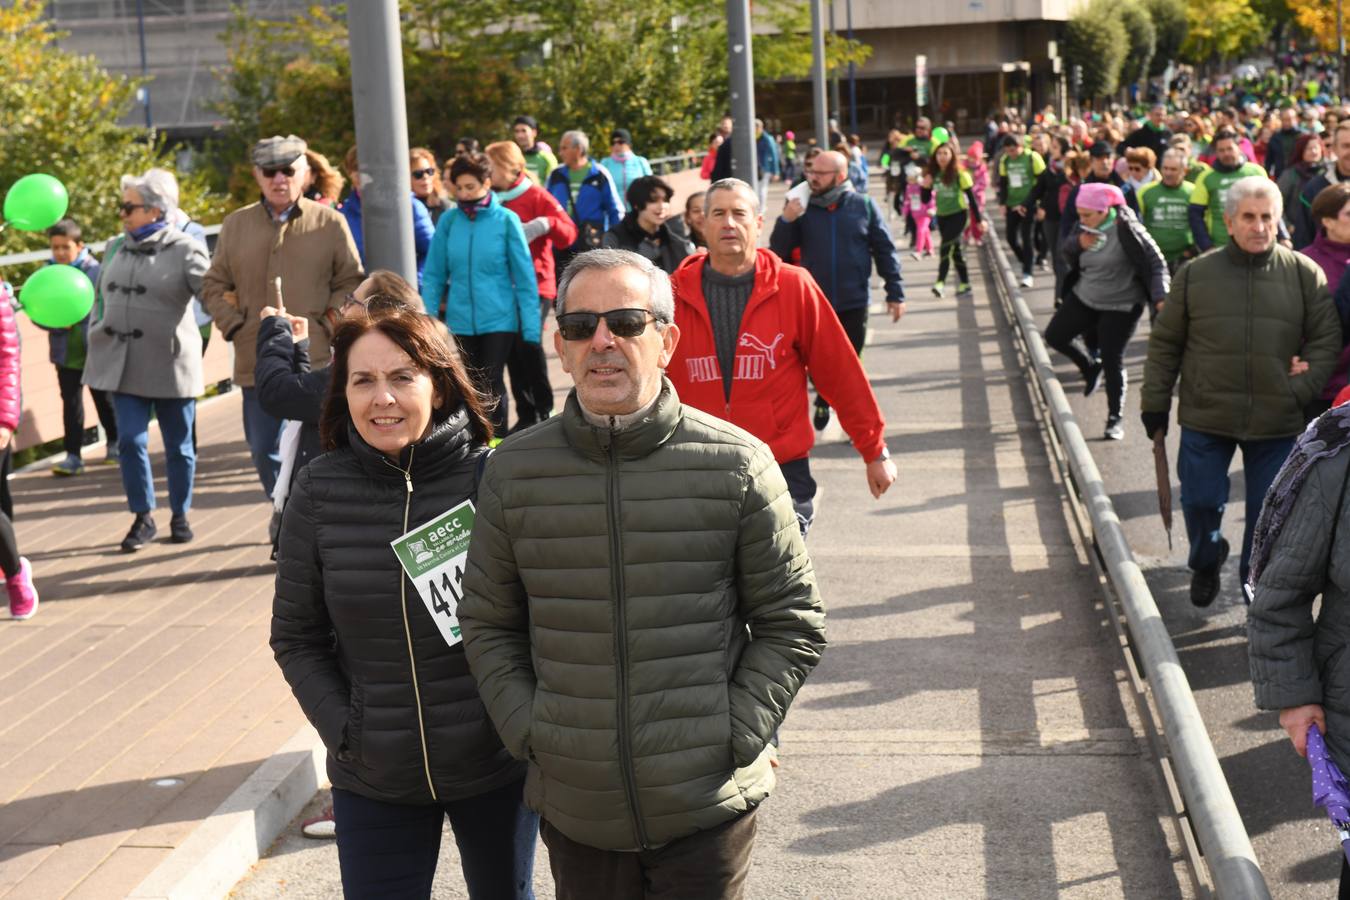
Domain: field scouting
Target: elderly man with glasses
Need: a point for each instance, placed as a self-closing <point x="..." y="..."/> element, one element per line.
<point x="285" y="241"/>
<point x="638" y="609"/>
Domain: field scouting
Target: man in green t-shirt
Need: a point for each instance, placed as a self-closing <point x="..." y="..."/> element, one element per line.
<point x="1018" y="170"/>
<point x="539" y="158"/>
<point x="1164" y="209"/>
<point x="920" y="143"/>
<point x="1206" y="208"/>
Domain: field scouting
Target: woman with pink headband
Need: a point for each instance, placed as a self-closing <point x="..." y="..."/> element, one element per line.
<point x="1114" y="268"/>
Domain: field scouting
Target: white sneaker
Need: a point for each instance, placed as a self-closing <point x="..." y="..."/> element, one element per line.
<point x="938" y="288"/>
<point x="1027" y="281"/>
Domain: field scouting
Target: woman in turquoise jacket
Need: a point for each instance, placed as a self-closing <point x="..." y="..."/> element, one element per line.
<point x="479" y="265"/>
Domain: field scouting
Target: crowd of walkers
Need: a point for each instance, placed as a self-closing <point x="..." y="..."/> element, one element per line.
<point x="1230" y="226"/>
<point x="548" y="672"/>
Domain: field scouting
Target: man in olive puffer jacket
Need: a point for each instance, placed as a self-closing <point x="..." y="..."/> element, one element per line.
<point x="1251" y="330"/>
<point x="639" y="608"/>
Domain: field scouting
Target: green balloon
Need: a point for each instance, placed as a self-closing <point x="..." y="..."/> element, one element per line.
<point x="940" y="136"/>
<point x="57" y="296"/>
<point x="36" y="202"/>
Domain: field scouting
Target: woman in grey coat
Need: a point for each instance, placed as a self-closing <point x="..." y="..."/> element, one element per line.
<point x="1300" y="664"/>
<point x="145" y="348"/>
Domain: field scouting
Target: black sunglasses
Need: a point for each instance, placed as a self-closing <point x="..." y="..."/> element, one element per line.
<point x="423" y="173"/>
<point x="624" y="323"/>
<point x="288" y="171"/>
<point x="128" y="208"/>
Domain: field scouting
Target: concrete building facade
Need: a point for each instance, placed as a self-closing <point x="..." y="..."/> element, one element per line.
<point x="974" y="51"/>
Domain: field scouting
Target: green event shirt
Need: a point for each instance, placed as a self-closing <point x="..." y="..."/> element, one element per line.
<point x="1020" y="173"/>
<point x="919" y="146"/>
<point x="575" y="177"/>
<point x="1164" y="212"/>
<point x="951" y="198"/>
<point x="1196" y="170"/>
<point x="1210" y="192"/>
<point x="539" y="163"/>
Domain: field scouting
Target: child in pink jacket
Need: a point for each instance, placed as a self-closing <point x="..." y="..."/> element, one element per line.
<point x="23" y="597"/>
<point x="979" y="174"/>
<point x="922" y="213"/>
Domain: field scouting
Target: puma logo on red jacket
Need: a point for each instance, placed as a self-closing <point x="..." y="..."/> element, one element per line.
<point x="788" y="329"/>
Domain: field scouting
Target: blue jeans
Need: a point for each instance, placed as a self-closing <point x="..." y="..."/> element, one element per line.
<point x="175" y="426"/>
<point x="263" y="434"/>
<point x="1203" y="469"/>
<point x="389" y="850"/>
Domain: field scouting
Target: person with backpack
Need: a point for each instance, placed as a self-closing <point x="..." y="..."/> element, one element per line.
<point x="841" y="235"/>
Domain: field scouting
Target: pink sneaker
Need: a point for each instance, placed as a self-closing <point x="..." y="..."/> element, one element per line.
<point x="23" y="596"/>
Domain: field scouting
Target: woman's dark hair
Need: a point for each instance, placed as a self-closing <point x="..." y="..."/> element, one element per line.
<point x="416" y="334"/>
<point x="475" y="164"/>
<point x="641" y="191"/>
<point x="949" y="173"/>
<point x="469" y="144"/>
<point x="1329" y="202"/>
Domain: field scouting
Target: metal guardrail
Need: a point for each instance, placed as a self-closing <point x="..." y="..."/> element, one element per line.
<point x="1226" y="848"/>
<point x="34" y="256"/>
<point x="664" y="165"/>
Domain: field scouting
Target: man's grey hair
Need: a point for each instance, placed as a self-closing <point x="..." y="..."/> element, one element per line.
<point x="1175" y="156"/>
<point x="730" y="184"/>
<point x="157" y="187"/>
<point x="578" y="139"/>
<point x="660" y="296"/>
<point x="1250" y="188"/>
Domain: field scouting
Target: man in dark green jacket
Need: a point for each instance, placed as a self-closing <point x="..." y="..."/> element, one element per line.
<point x="639" y="608"/>
<point x="1251" y="330"/>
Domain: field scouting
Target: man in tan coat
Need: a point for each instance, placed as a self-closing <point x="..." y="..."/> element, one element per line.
<point x="283" y="236"/>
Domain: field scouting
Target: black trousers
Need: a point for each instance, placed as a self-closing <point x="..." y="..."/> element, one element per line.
<point x="389" y="850"/>
<point x="708" y="865"/>
<point x="802" y="488"/>
<point x="486" y="356"/>
<point x="1113" y="330"/>
<point x="855" y="326"/>
<point x="72" y="410"/>
<point x="1050" y="229"/>
<point x="530" y="387"/>
<point x="9" y="544"/>
<point x="1019" y="228"/>
<point x="950" y="228"/>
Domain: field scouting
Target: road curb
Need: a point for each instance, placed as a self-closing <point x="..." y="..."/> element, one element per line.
<point x="220" y="851"/>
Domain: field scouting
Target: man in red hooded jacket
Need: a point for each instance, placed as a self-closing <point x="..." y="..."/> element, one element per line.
<point x="752" y="329"/>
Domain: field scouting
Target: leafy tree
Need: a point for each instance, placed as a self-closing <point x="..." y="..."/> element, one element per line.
<point x="1169" y="25"/>
<point x="1221" y="29"/>
<point x="1095" y="38"/>
<point x="61" y="113"/>
<point x="1318" y="19"/>
<point x="657" y="68"/>
<point x="1143" y="37"/>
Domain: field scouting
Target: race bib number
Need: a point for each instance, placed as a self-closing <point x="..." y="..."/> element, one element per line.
<point x="433" y="555"/>
<point x="896" y="169"/>
<point x="1015" y="180"/>
<point x="915" y="204"/>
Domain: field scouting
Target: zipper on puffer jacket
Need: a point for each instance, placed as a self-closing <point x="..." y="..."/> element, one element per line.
<point x="407" y="629"/>
<point x="621" y="640"/>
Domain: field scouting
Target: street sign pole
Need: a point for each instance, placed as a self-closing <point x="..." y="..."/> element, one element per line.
<point x="382" y="136"/>
<point x="818" y="74"/>
<point x="742" y="76"/>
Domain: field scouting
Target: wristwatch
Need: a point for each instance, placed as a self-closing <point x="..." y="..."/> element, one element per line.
<point x="885" y="455"/>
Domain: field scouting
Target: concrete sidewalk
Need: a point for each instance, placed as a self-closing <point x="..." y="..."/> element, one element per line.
<point x="965" y="734"/>
<point x="143" y="693"/>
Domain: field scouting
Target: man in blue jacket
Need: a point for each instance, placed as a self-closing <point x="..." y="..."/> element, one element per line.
<point x="766" y="151"/>
<point x="841" y="234"/>
<point x="587" y="192"/>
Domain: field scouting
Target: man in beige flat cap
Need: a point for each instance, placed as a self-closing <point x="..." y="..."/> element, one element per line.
<point x="287" y="238"/>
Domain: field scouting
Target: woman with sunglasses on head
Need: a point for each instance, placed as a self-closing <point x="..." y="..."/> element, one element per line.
<point x="479" y="264"/>
<point x="146" y="350"/>
<point x="426" y="183"/>
<point x="378" y="668"/>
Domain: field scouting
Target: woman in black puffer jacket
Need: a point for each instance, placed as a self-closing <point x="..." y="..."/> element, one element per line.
<point x="408" y="739"/>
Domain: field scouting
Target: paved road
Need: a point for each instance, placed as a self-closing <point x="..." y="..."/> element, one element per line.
<point x="1270" y="783"/>
<point x="964" y="734"/>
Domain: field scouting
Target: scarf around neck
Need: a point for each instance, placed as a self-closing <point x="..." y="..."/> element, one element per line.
<point x="472" y="208"/>
<point x="832" y="196"/>
<point x="145" y="231"/>
<point x="515" y="190"/>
